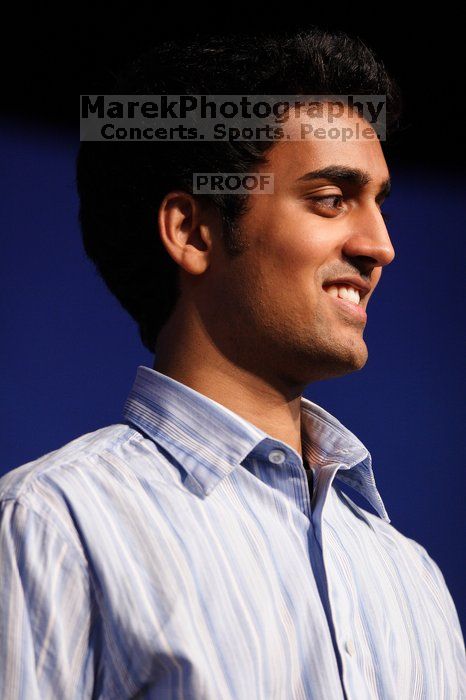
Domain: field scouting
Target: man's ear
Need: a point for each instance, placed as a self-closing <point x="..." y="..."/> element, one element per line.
<point x="186" y="231"/>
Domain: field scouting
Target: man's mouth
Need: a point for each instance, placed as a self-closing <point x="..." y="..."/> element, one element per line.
<point x="349" y="299"/>
<point x="344" y="292"/>
<point x="351" y="288"/>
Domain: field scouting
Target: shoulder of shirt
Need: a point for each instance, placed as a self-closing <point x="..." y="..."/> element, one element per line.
<point x="425" y="570"/>
<point x="78" y="454"/>
<point x="406" y="545"/>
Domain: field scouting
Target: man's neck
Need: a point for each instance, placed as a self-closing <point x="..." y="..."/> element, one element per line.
<point x="195" y="362"/>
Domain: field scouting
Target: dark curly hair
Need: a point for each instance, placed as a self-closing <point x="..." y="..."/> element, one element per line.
<point x="121" y="185"/>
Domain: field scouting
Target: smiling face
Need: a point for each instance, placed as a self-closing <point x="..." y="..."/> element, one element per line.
<point x="277" y="306"/>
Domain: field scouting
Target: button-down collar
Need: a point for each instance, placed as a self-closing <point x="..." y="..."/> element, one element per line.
<point x="209" y="440"/>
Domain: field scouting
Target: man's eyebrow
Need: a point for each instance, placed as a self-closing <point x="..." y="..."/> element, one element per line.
<point x="342" y="173"/>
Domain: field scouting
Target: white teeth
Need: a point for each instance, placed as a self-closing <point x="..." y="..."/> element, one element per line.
<point x="344" y="292"/>
<point x="333" y="291"/>
<point x="353" y="295"/>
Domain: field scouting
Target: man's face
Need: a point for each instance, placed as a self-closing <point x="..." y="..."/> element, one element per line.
<point x="274" y="312"/>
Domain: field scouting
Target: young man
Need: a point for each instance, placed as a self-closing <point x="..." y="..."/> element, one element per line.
<point x="203" y="547"/>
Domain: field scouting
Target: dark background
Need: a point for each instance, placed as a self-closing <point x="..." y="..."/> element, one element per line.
<point x="48" y="62"/>
<point x="69" y="352"/>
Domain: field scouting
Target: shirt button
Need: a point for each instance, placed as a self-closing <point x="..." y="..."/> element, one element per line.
<point x="277" y="456"/>
<point x="349" y="646"/>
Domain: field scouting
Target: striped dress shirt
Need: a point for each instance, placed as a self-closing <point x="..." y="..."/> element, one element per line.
<point x="179" y="555"/>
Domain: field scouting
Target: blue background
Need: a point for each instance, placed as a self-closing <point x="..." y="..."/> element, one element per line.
<point x="69" y="352"/>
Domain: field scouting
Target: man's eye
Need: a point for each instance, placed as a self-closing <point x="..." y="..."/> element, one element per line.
<point x="330" y="205"/>
<point x="331" y="201"/>
<point x="334" y="202"/>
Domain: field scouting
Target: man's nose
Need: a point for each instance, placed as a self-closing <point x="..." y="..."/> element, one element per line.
<point x="369" y="237"/>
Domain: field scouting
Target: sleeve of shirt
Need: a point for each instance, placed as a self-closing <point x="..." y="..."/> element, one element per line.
<point x="458" y="657"/>
<point x="459" y="654"/>
<point x="45" y="611"/>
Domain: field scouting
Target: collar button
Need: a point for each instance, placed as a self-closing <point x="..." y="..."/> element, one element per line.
<point x="277" y="456"/>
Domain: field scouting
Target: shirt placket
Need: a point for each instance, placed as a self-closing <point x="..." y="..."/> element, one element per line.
<point x="337" y="608"/>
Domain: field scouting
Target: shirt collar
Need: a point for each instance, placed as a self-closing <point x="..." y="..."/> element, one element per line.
<point x="332" y="443"/>
<point x="210" y="441"/>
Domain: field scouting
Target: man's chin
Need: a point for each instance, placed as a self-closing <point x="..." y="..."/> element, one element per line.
<point x="342" y="360"/>
<point x="353" y="357"/>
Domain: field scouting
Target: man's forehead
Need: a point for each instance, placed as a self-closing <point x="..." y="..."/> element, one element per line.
<point x="357" y="163"/>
